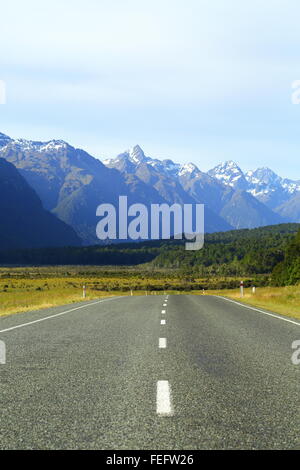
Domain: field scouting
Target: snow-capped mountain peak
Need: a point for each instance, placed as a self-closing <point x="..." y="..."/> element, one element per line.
<point x="188" y="169"/>
<point x="263" y="176"/>
<point x="136" y="154"/>
<point x="53" y="146"/>
<point x="264" y="181"/>
<point x="229" y="173"/>
<point x="31" y="145"/>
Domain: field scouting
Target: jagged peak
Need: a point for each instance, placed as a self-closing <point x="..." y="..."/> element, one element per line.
<point x="228" y="165"/>
<point x="188" y="169"/>
<point x="136" y="154"/>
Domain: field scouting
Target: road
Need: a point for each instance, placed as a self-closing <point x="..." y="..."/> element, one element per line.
<point x="206" y="373"/>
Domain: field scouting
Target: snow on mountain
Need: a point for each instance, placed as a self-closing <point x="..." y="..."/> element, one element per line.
<point x="270" y="188"/>
<point x="229" y="173"/>
<point x="291" y="187"/>
<point x="188" y="169"/>
<point x="262" y="183"/>
<point x="31" y="145"/>
<point x="53" y="146"/>
<point x="58" y="171"/>
<point x="135" y="156"/>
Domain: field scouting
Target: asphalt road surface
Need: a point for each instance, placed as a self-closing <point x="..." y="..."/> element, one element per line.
<point x="153" y="372"/>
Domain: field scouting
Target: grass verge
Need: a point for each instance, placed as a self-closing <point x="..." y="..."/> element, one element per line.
<point x="283" y="300"/>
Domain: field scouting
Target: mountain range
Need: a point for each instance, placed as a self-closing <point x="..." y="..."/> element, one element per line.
<point x="70" y="184"/>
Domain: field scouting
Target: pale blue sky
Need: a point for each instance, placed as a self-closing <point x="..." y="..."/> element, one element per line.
<point x="193" y="80"/>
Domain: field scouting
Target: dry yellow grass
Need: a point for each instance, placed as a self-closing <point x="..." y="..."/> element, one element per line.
<point x="21" y="294"/>
<point x="283" y="300"/>
<point x="25" y="289"/>
<point x="18" y="296"/>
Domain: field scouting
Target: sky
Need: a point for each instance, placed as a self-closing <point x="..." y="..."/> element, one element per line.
<point x="192" y="80"/>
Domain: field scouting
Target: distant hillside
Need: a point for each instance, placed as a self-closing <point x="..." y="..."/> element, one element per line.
<point x="288" y="271"/>
<point x="234" y="253"/>
<point x="24" y="222"/>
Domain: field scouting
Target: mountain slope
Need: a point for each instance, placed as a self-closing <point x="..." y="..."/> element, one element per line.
<point x="4" y="139"/>
<point x="242" y="210"/>
<point x="263" y="183"/>
<point x="71" y="183"/>
<point x="270" y="188"/>
<point x="165" y="177"/>
<point x="221" y="190"/>
<point x="229" y="173"/>
<point x="291" y="208"/>
<point x="24" y="222"/>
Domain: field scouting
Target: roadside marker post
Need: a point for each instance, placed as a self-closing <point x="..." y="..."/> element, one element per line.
<point x="84" y="292"/>
<point x="242" y="288"/>
<point x="253" y="290"/>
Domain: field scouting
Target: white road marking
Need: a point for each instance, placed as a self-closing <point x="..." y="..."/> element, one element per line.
<point x="57" y="314"/>
<point x="163" y="398"/>
<point x="257" y="310"/>
<point x="164" y="305"/>
<point x="162" y="322"/>
<point x="162" y="343"/>
<point x="163" y="311"/>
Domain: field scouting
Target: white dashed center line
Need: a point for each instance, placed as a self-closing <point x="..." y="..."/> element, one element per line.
<point x="163" y="398"/>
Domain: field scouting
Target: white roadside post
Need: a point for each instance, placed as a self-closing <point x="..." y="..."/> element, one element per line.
<point x="242" y="288"/>
<point x="253" y="290"/>
<point x="84" y="292"/>
<point x="131" y="293"/>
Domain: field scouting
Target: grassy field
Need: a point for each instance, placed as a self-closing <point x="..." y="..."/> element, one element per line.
<point x="283" y="300"/>
<point x="30" y="288"/>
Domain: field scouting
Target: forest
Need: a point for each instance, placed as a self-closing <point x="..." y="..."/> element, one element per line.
<point x="247" y="252"/>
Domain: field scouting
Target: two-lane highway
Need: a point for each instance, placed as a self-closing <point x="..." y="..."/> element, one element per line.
<point x="152" y="372"/>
